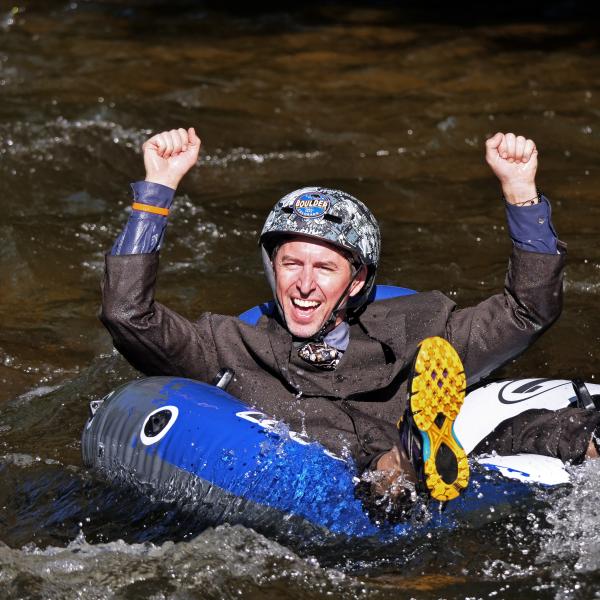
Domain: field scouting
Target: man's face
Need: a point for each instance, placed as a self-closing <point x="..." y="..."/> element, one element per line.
<point x="310" y="278"/>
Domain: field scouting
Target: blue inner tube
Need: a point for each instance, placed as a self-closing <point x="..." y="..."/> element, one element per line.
<point x="192" y="443"/>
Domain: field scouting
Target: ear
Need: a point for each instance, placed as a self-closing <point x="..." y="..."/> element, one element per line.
<point x="359" y="281"/>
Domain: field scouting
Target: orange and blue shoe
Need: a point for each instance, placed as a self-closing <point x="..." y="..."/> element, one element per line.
<point x="436" y="394"/>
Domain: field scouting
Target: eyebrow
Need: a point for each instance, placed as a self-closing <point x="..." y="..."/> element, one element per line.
<point x="324" y="263"/>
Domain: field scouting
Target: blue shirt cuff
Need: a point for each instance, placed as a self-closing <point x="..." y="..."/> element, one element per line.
<point x="530" y="227"/>
<point x="156" y="194"/>
<point x="144" y="231"/>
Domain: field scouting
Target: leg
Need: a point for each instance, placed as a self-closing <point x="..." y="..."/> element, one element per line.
<point x="428" y="457"/>
<point x="437" y="393"/>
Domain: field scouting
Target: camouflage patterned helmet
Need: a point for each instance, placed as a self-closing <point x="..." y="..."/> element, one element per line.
<point x="331" y="216"/>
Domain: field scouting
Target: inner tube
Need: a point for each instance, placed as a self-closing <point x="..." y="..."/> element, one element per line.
<point x="194" y="444"/>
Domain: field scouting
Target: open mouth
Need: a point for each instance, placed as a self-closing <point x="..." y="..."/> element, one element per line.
<point x="305" y="304"/>
<point x="304" y="307"/>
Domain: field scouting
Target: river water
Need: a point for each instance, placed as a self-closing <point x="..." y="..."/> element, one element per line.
<point x="392" y="107"/>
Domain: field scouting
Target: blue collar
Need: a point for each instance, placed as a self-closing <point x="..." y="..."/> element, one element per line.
<point x="339" y="337"/>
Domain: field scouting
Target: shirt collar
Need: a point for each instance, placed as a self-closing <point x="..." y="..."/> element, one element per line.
<point x="339" y="336"/>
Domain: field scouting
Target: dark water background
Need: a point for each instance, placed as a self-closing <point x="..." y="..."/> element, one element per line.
<point x="388" y="103"/>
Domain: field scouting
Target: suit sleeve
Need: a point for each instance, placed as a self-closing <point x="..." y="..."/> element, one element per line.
<point x="153" y="338"/>
<point x="493" y="332"/>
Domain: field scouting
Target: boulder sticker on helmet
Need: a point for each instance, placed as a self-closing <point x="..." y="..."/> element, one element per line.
<point x="312" y="205"/>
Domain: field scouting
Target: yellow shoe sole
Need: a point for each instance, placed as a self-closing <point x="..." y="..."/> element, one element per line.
<point x="436" y="396"/>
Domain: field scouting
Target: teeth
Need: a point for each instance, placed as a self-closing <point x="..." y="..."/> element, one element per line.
<point x="305" y="303"/>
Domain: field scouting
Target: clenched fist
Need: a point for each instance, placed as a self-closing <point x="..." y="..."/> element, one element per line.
<point x="513" y="159"/>
<point x="169" y="155"/>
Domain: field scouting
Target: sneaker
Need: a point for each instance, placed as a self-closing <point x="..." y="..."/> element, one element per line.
<point x="436" y="394"/>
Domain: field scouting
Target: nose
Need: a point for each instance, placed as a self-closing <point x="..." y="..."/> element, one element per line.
<point x="306" y="280"/>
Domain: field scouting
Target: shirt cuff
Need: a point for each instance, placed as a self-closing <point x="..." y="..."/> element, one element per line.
<point x="530" y="227"/>
<point x="155" y="194"/>
<point x="144" y="231"/>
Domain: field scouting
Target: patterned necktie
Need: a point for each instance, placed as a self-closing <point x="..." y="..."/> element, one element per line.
<point x="320" y="354"/>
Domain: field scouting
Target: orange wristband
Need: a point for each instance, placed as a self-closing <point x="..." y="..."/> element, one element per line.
<point x="156" y="210"/>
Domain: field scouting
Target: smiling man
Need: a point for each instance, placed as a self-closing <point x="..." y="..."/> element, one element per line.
<point x="312" y="281"/>
<point x="352" y="373"/>
<point x="320" y="251"/>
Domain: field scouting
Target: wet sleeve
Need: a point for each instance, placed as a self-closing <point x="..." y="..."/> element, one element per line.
<point x="501" y="327"/>
<point x="144" y="231"/>
<point x="563" y="434"/>
<point x="530" y="227"/>
<point x="154" y="339"/>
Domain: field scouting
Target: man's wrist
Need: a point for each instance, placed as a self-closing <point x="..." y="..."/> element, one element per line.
<point x="520" y="193"/>
<point x="169" y="182"/>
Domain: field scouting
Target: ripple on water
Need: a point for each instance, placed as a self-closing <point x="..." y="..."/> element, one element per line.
<point x="226" y="562"/>
<point x="39" y="142"/>
<point x="395" y="111"/>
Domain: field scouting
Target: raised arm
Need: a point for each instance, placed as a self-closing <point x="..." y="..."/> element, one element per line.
<point x="168" y="156"/>
<point x="503" y="326"/>
<point x="154" y="339"/>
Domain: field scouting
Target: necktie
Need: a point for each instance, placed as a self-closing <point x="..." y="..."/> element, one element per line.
<point x="320" y="354"/>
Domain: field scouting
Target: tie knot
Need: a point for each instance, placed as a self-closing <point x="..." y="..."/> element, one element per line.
<point x="320" y="354"/>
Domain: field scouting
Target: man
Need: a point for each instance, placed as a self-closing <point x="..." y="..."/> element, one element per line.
<point x="330" y="362"/>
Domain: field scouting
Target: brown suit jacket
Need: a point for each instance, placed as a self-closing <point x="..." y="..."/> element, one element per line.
<point x="354" y="408"/>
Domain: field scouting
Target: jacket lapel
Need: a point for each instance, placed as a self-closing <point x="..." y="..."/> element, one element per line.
<point x="377" y="348"/>
<point x="378" y="351"/>
<point x="391" y="332"/>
